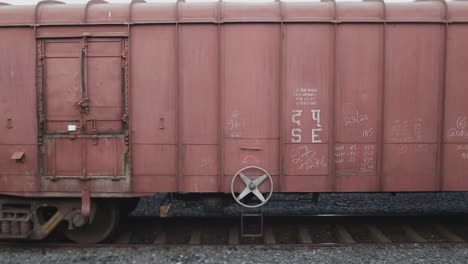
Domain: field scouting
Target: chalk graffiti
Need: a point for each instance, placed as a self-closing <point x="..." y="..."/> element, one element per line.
<point x="368" y="132"/>
<point x="352" y="116"/>
<point x="250" y="159"/>
<point x="407" y="130"/>
<point x="361" y="158"/>
<point x="308" y="159"/>
<point x="459" y="130"/>
<point x="234" y="124"/>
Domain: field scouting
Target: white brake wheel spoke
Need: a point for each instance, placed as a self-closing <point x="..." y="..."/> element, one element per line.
<point x="251" y="186"/>
<point x="244" y="178"/>
<point x="259" y="180"/>
<point x="243" y="193"/>
<point x="259" y="195"/>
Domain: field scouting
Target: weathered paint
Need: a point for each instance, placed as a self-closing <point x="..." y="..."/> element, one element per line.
<point x="324" y="96"/>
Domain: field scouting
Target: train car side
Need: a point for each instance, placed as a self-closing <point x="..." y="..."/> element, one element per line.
<point x="102" y="103"/>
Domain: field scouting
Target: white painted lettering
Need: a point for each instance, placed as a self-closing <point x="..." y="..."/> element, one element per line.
<point x="296" y="114"/>
<point x="296" y="135"/>
<point x="315" y="135"/>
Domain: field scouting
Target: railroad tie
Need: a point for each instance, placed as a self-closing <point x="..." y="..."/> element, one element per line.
<point x="195" y="238"/>
<point x="449" y="235"/>
<point x="304" y="235"/>
<point x="124" y="237"/>
<point x="343" y="235"/>
<point x="378" y="235"/>
<point x="269" y="235"/>
<point x="161" y="238"/>
<point x="233" y="235"/>
<point x="412" y="234"/>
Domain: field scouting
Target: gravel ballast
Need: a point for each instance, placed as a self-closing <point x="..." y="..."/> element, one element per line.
<point x="358" y="254"/>
<point x="330" y="203"/>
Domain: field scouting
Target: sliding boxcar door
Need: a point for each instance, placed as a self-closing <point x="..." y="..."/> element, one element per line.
<point x="83" y="114"/>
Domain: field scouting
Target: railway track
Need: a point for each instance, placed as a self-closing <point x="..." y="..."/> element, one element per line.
<point x="310" y="231"/>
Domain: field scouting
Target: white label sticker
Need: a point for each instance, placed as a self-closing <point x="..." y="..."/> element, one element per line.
<point x="71" y="127"/>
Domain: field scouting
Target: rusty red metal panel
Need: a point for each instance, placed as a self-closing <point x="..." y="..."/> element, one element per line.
<point x="199" y="103"/>
<point x="104" y="156"/>
<point x="308" y="53"/>
<point x="153" y="100"/>
<point x="153" y="96"/>
<point x="103" y="13"/>
<point x="205" y="98"/>
<point x="411" y="98"/>
<point x="105" y="91"/>
<point x="99" y="12"/>
<point x="360" y="11"/>
<point x="250" y="96"/>
<point x="429" y="11"/>
<point x="63" y="157"/>
<point x="199" y="64"/>
<point x="255" y="11"/>
<point x="313" y="11"/>
<point x="18" y="127"/>
<point x="455" y="164"/>
<point x="203" y="11"/>
<point x="16" y="15"/>
<point x="59" y="13"/>
<point x="356" y="106"/>
<point x="251" y="75"/>
<point x="15" y="169"/>
<point x="63" y="84"/>
<point x="154" y="12"/>
<point x="457" y="10"/>
<point x="17" y="93"/>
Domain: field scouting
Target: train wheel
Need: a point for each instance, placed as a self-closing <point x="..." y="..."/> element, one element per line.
<point x="103" y="226"/>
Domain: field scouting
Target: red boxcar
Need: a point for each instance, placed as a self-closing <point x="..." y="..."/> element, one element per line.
<point x="128" y="100"/>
